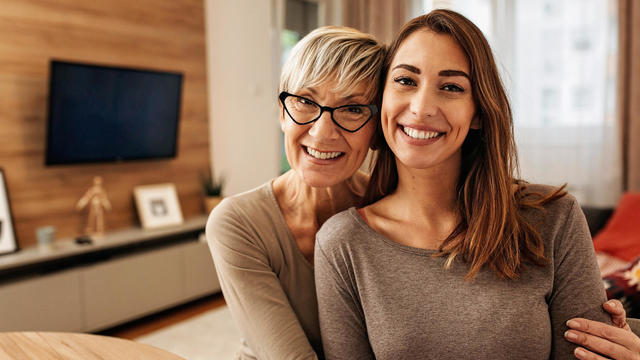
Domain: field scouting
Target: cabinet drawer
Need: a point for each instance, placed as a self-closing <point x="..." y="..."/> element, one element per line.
<point x="133" y="286"/>
<point x="45" y="303"/>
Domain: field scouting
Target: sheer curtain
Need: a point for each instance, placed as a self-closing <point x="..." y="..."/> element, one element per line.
<point x="382" y="18"/>
<point x="558" y="60"/>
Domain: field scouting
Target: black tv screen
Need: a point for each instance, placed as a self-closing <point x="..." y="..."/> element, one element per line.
<point x="101" y="113"/>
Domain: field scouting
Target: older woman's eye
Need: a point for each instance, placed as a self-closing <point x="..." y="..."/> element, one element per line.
<point x="300" y="103"/>
<point x="304" y="101"/>
<point x="402" y="80"/>
<point x="354" y="109"/>
<point x="452" y="88"/>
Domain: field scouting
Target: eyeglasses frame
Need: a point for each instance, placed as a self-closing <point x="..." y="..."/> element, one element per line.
<point x="283" y="95"/>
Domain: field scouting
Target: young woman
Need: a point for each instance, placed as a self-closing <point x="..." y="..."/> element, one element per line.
<point x="262" y="241"/>
<point x="453" y="257"/>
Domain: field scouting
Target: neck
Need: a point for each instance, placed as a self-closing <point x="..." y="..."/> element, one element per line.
<point x="428" y="193"/>
<point x="423" y="210"/>
<point x="309" y="204"/>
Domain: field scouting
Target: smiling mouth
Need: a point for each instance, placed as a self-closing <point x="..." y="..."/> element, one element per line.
<point x="322" y="155"/>
<point x="420" y="134"/>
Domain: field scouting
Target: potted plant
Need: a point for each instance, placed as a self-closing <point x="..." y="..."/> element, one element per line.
<point x="212" y="190"/>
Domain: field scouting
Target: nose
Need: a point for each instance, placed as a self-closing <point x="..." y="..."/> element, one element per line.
<point x="424" y="103"/>
<point x="324" y="128"/>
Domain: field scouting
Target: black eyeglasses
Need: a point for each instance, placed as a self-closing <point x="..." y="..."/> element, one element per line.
<point x="303" y="111"/>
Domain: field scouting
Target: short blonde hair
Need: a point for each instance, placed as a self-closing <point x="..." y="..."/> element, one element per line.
<point x="334" y="53"/>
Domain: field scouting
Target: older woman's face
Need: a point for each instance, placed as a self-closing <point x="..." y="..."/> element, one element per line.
<point x="428" y="106"/>
<point x="321" y="153"/>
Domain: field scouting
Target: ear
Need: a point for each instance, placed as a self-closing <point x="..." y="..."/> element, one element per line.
<point x="282" y="119"/>
<point x="476" y="123"/>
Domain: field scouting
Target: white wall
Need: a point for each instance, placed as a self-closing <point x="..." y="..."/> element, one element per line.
<point x="242" y="51"/>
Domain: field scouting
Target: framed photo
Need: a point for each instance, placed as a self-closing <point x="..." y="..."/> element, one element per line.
<point x="158" y="205"/>
<point x="8" y="243"/>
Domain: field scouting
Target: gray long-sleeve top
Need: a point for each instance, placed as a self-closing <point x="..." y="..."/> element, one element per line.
<point x="383" y="300"/>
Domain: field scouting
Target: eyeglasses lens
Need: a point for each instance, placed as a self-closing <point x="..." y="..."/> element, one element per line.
<point x="302" y="110"/>
<point x="350" y="117"/>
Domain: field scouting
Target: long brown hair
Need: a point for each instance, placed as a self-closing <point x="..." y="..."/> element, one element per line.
<point x="492" y="230"/>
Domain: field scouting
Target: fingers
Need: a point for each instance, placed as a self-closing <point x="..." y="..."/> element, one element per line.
<point x="597" y="344"/>
<point x="616" y="335"/>
<point x="614" y="307"/>
<point x="604" y="339"/>
<point x="584" y="354"/>
<point x="617" y="312"/>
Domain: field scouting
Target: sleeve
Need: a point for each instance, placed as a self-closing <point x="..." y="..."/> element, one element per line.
<point x="252" y="290"/>
<point x="577" y="286"/>
<point x="342" y="321"/>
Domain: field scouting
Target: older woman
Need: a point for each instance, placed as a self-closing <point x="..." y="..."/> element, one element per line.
<point x="262" y="241"/>
<point x="453" y="257"/>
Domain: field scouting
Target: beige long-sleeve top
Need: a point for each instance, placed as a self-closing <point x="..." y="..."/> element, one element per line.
<point x="379" y="299"/>
<point x="267" y="282"/>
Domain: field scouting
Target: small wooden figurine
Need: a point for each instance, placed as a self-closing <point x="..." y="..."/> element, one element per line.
<point x="96" y="196"/>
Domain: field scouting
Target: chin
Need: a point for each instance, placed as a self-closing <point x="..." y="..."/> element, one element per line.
<point x="417" y="162"/>
<point x="434" y="159"/>
<point x="416" y="165"/>
<point x="320" y="180"/>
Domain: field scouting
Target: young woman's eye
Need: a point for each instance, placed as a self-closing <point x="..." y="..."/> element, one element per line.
<point x="452" y="88"/>
<point x="404" y="81"/>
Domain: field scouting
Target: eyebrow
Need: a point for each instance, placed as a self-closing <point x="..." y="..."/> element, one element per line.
<point x="415" y="70"/>
<point x="353" y="96"/>
<point x="411" y="68"/>
<point x="348" y="97"/>
<point x="453" y="73"/>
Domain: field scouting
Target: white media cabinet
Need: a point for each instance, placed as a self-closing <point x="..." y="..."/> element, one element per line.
<point x="90" y="287"/>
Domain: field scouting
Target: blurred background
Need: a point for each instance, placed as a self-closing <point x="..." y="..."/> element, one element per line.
<point x="571" y="69"/>
<point x="561" y="61"/>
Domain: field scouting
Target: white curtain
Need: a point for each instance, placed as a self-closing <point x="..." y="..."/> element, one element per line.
<point x="382" y="18"/>
<point x="558" y="60"/>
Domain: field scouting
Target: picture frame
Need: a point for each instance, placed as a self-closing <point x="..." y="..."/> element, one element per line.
<point x="158" y="205"/>
<point x="8" y="241"/>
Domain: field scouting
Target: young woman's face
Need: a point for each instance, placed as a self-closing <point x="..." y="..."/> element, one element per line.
<point x="427" y="104"/>
<point x="321" y="153"/>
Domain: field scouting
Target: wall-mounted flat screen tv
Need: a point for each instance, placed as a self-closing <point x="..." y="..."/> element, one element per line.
<point x="103" y="114"/>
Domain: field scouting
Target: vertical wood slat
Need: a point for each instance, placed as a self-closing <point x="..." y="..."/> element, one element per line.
<point x="150" y="34"/>
<point x="632" y="122"/>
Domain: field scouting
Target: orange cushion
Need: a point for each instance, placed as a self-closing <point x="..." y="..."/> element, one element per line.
<point x="621" y="236"/>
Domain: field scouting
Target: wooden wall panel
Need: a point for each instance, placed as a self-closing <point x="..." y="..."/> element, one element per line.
<point x="151" y="34"/>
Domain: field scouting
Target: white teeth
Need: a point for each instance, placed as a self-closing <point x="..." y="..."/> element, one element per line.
<point x="419" y="134"/>
<point x="322" y="155"/>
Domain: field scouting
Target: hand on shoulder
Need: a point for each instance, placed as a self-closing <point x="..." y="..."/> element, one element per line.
<point x="615" y="342"/>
